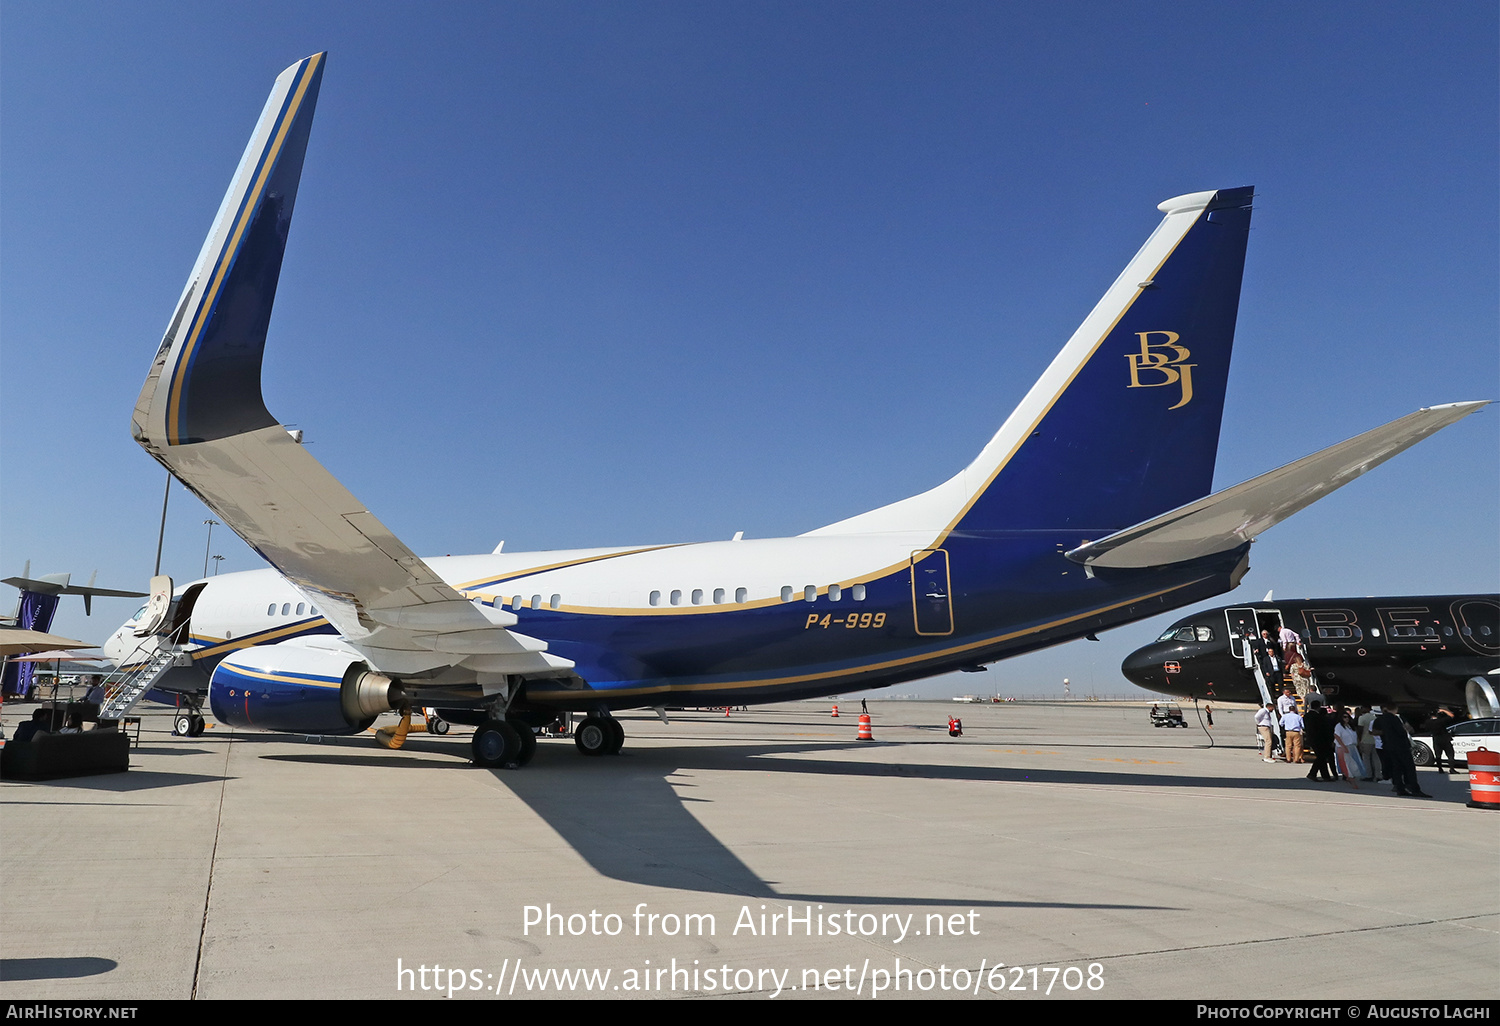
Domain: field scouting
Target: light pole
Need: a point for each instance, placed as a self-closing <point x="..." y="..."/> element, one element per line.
<point x="212" y="523"/>
<point x="217" y="561"/>
<point x="162" y="534"/>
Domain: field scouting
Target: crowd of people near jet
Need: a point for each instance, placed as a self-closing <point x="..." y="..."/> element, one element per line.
<point x="1365" y="743"/>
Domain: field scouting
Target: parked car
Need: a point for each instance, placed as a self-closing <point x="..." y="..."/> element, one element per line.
<point x="1467" y="736"/>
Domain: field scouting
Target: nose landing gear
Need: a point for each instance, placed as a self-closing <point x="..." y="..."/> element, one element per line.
<point x="188" y="722"/>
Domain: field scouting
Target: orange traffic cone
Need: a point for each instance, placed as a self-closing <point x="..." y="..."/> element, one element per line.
<point x="864" y="728"/>
<point x="835" y="712"/>
<point x="726" y="712"/>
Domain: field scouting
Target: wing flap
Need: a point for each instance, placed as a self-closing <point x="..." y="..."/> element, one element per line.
<point x="1234" y="516"/>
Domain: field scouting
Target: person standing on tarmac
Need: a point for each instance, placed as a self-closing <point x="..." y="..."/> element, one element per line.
<point x="1442" y="741"/>
<point x="1395" y="748"/>
<point x="1320" y="733"/>
<point x="1264" y="717"/>
<point x="1364" y="719"/>
<point x="1291" y="729"/>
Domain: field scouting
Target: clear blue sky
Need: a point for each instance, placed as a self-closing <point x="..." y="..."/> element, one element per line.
<point x="571" y="274"/>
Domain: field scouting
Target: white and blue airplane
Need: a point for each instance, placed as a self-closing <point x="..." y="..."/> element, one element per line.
<point x="1088" y="509"/>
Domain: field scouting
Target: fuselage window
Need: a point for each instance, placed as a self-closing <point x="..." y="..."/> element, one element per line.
<point x="656" y="598"/>
<point x="516" y="601"/>
<point x="556" y="602"/>
<point x="859" y="592"/>
<point x="740" y="594"/>
<point x="697" y="596"/>
<point x="270" y="610"/>
<point x="786" y="593"/>
<point x="718" y="595"/>
<point x="1447" y="632"/>
<point x="676" y="597"/>
<point x="810" y="593"/>
<point x="312" y="610"/>
<point x="835" y="593"/>
<point x="286" y="609"/>
<point x="301" y="607"/>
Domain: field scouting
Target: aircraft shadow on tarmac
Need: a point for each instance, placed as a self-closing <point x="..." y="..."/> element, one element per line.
<point x="120" y="783"/>
<point x="628" y="818"/>
<point x="630" y="822"/>
<point x="20" y="970"/>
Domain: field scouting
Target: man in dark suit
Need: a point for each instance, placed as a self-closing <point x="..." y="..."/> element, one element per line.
<point x="1320" y="734"/>
<point x="1395" y="748"/>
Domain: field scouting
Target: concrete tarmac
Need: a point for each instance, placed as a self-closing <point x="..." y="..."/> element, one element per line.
<point x="1115" y="859"/>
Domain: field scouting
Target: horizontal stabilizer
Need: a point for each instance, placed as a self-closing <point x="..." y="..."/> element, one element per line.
<point x="1234" y="516"/>
<point x="57" y="584"/>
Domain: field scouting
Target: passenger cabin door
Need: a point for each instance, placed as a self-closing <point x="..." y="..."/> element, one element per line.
<point x="932" y="608"/>
<point x="158" y="607"/>
<point x="1242" y="625"/>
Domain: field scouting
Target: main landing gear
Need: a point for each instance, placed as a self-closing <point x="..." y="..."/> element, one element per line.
<point x="508" y="743"/>
<point x="599" y="735"/>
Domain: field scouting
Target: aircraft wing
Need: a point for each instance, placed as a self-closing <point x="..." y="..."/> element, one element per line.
<point x="201" y="414"/>
<point x="1234" y="516"/>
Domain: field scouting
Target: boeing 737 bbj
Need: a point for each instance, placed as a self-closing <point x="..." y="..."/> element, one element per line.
<point x="1088" y="509"/>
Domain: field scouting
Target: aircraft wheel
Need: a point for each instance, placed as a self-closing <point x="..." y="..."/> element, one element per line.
<point x="182" y="725"/>
<point x="527" y="738"/>
<point x="1421" y="754"/>
<point x="496" y="744"/>
<point x="616" y="736"/>
<point x="593" y="736"/>
<point x="437" y="725"/>
<point x="195" y="728"/>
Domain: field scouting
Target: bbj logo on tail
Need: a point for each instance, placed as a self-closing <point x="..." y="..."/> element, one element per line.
<point x="1172" y="369"/>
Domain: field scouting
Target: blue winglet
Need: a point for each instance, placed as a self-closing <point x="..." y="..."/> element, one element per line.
<point x="209" y="385"/>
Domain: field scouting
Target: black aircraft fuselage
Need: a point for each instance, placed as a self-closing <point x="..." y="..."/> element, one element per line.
<point x="1425" y="651"/>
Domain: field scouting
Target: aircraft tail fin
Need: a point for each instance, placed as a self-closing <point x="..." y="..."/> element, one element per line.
<point x="1124" y="423"/>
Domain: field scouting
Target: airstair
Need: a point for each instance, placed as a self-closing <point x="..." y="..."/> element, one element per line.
<point x="1243" y="627"/>
<point x="128" y="685"/>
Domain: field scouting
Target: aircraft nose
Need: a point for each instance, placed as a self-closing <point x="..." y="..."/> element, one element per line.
<point x="1143" y="667"/>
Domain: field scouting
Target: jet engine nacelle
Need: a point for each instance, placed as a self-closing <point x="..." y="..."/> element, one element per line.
<point x="298" y="690"/>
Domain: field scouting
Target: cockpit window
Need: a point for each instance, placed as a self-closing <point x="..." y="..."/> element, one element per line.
<point x="138" y="614"/>
<point x="1188" y="634"/>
